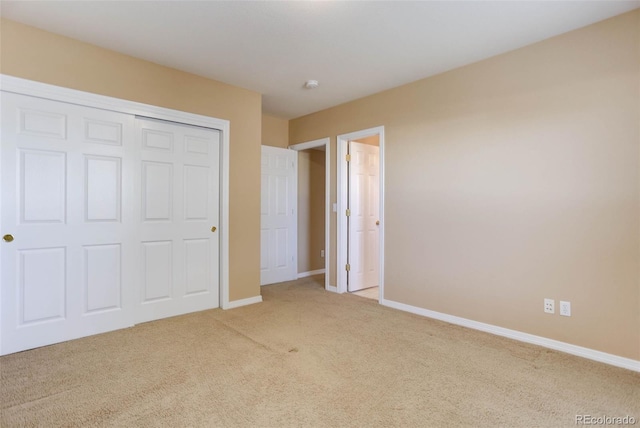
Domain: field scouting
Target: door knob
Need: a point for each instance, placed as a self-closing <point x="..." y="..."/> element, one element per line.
<point x="378" y="223"/>
<point x="213" y="229"/>
<point x="7" y="238"/>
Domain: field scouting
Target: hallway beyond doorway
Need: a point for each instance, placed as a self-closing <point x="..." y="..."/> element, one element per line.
<point x="369" y="293"/>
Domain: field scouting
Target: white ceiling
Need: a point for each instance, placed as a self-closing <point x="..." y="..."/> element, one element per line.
<point x="352" y="48"/>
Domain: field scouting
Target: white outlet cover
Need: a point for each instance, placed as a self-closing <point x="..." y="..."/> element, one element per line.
<point x="550" y="306"/>
<point x="565" y="308"/>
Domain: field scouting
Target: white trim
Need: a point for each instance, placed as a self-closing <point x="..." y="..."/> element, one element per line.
<point x="326" y="142"/>
<point x="327" y="214"/>
<point x="243" y="302"/>
<point x="224" y="219"/>
<point x="568" y="348"/>
<point x="294" y="204"/>
<point x="341" y="239"/>
<point x="310" y="273"/>
<point x="381" y="228"/>
<point x="332" y="288"/>
<point x="341" y="259"/>
<point x="57" y="93"/>
<point x="309" y="144"/>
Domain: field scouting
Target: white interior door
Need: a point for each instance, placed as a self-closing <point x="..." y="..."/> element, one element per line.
<point x="69" y="270"/>
<point x="278" y="225"/>
<point x="363" y="221"/>
<point x="179" y="212"/>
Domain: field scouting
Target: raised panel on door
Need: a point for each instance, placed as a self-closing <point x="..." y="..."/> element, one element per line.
<point x="281" y="196"/>
<point x="197" y="267"/>
<point x="264" y="194"/>
<point x="196" y="145"/>
<point x="179" y="219"/>
<point x="196" y="195"/>
<point x="157" y="191"/>
<point x="42" y="281"/>
<point x="281" y="256"/>
<point x="265" y="244"/>
<point x="157" y="262"/>
<point x="42" y="188"/>
<point x="157" y="140"/>
<point x="66" y="170"/>
<point x="102" y="132"/>
<point x="103" y="188"/>
<point x="42" y="123"/>
<point x="102" y="277"/>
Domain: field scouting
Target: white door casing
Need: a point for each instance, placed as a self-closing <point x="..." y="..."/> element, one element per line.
<point x="278" y="222"/>
<point x="363" y="221"/>
<point x="69" y="271"/>
<point x="342" y="143"/>
<point x="179" y="203"/>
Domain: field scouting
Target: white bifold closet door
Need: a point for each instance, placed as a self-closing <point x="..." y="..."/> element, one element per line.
<point x="106" y="221"/>
<point x="179" y="211"/>
<point x="69" y="271"/>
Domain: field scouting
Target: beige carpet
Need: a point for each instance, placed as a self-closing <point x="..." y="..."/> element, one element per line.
<point x="307" y="358"/>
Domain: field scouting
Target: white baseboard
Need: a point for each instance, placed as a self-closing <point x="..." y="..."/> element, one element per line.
<point x="310" y="273"/>
<point x="332" y="288"/>
<point x="591" y="354"/>
<point x="242" y="302"/>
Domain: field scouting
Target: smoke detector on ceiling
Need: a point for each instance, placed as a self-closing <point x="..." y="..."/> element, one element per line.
<point x="311" y="84"/>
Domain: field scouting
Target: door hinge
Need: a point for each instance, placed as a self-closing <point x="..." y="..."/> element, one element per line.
<point x="348" y="213"/>
<point x="348" y="157"/>
<point x="348" y="267"/>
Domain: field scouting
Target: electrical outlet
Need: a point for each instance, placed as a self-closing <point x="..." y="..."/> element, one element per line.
<point x="565" y="308"/>
<point x="321" y="253"/>
<point x="550" y="306"/>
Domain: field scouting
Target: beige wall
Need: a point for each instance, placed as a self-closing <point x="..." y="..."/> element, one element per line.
<point x="515" y="179"/>
<point x="275" y="131"/>
<point x="33" y="54"/>
<point x="311" y="207"/>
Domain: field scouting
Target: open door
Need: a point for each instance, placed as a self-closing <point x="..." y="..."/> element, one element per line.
<point x="278" y="224"/>
<point x="362" y="216"/>
<point x="360" y="211"/>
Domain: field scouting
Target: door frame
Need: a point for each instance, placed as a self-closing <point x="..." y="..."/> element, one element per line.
<point x="72" y="96"/>
<point x="343" y="182"/>
<point x="326" y="143"/>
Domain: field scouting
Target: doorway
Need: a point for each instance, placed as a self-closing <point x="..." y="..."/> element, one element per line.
<point x="311" y="207"/>
<point x="311" y="244"/>
<point x="360" y="249"/>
